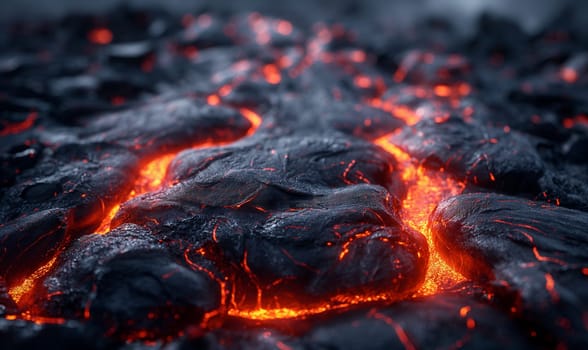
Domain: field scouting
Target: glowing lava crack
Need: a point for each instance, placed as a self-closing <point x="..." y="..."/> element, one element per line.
<point x="409" y="184"/>
<point x="424" y="190"/>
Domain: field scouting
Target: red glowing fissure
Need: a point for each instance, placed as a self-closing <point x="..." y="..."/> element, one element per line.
<point x="426" y="188"/>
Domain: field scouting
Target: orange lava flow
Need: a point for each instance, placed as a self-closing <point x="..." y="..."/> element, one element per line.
<point x="425" y="190"/>
<point x="277" y="313"/>
<point x="253" y="118"/>
<point x="18" y="292"/>
<point x="152" y="175"/>
<point x="401" y="112"/>
<point x="151" y="178"/>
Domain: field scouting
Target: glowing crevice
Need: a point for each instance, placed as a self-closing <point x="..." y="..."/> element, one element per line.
<point x="151" y="178"/>
<point x="425" y="190"/>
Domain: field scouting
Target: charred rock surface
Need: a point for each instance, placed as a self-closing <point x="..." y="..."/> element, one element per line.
<point x="73" y="335"/>
<point x="532" y="250"/>
<point x="292" y="215"/>
<point x="483" y="156"/>
<point x="453" y="320"/>
<point x="227" y="179"/>
<point x="127" y="282"/>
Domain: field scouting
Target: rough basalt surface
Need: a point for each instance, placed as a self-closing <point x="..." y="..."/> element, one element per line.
<point x="227" y="179"/>
<point x="533" y="251"/>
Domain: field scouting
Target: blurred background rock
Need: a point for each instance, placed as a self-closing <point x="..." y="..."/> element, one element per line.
<point x="529" y="13"/>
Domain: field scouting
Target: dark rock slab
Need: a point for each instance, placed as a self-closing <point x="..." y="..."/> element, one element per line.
<point x="70" y="335"/>
<point x="484" y="156"/>
<point x="126" y="284"/>
<point x="167" y="127"/>
<point x="443" y="321"/>
<point x="85" y="180"/>
<point x="533" y="250"/>
<point x="31" y="241"/>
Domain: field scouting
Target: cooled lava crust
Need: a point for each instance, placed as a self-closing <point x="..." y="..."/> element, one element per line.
<point x="234" y="180"/>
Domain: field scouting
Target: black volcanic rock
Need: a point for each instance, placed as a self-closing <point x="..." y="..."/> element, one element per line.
<point x="70" y="336"/>
<point x="484" y="156"/>
<point x="186" y="123"/>
<point x="453" y="320"/>
<point x="299" y="230"/>
<point x="533" y="250"/>
<point x="127" y="281"/>
<point x="229" y="179"/>
<point x="82" y="178"/>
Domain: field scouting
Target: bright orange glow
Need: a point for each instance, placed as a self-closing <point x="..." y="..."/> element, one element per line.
<point x="550" y="286"/>
<point x="213" y="100"/>
<point x="105" y="224"/>
<point x="272" y="74"/>
<point x="26" y="286"/>
<point x="569" y="75"/>
<point x="284" y="27"/>
<point x="262" y="314"/>
<point x="464" y="311"/>
<point x="339" y="302"/>
<point x="100" y="36"/>
<point x="404" y="113"/>
<point x="425" y="190"/>
<point x="151" y="179"/>
<point x="362" y="81"/>
<point x="253" y="118"/>
<point x="459" y="90"/>
<point x="442" y="90"/>
<point x="345" y="248"/>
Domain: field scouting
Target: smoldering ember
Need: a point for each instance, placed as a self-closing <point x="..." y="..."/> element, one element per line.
<point x="238" y="180"/>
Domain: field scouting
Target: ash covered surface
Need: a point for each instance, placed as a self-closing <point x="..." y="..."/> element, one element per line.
<point x="230" y="179"/>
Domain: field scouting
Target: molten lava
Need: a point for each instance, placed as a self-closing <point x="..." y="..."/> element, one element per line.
<point x="152" y="175"/>
<point x="425" y="189"/>
<point x="151" y="178"/>
<point x="18" y="292"/>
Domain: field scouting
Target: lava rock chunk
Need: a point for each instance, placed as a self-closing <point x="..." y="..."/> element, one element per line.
<point x="442" y="321"/>
<point x="484" y="156"/>
<point x="167" y="126"/>
<point x="84" y="179"/>
<point x="125" y="283"/>
<point x="533" y="250"/>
